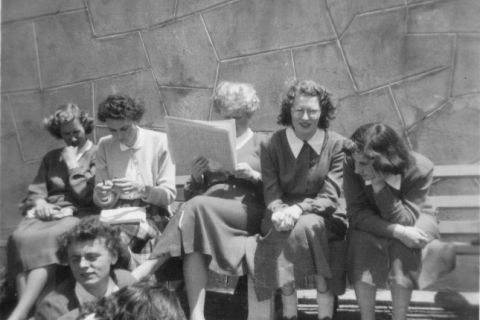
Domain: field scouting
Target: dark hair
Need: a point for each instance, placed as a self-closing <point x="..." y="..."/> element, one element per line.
<point x="65" y="114"/>
<point x="145" y="300"/>
<point x="120" y="107"/>
<point x="91" y="228"/>
<point x="312" y="89"/>
<point x="381" y="143"/>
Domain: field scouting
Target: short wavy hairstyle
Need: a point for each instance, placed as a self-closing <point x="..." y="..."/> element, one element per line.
<point x="307" y="88"/>
<point x="65" y="114"/>
<point x="120" y="107"/>
<point x="383" y="145"/>
<point x="145" y="300"/>
<point x="89" y="229"/>
<point x="231" y="96"/>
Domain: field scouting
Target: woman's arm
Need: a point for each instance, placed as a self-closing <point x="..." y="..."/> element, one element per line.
<point x="326" y="201"/>
<point x="82" y="178"/>
<point x="164" y="191"/>
<point x="271" y="180"/>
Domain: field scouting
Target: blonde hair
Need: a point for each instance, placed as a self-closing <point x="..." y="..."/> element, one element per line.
<point x="236" y="96"/>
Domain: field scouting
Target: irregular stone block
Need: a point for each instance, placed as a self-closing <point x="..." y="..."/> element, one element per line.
<point x="251" y="26"/>
<point x="324" y="64"/>
<point x="189" y="6"/>
<point x="29" y="110"/>
<point x="187" y="103"/>
<point x="445" y="16"/>
<point x="110" y="17"/>
<point x="181" y="54"/>
<point x="15" y="173"/>
<point x="66" y="40"/>
<point x="379" y="52"/>
<point x="268" y="73"/>
<point x="19" y="59"/>
<point x="343" y="11"/>
<point x="466" y="77"/>
<point x="418" y="96"/>
<point x="357" y="110"/>
<point x="140" y="85"/>
<point x="21" y="9"/>
<point x="451" y="135"/>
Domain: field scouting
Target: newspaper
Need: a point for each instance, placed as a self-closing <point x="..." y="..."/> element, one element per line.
<point x="188" y="139"/>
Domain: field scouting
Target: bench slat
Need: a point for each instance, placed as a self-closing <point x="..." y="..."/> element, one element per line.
<point x="459" y="227"/>
<point x="466" y="201"/>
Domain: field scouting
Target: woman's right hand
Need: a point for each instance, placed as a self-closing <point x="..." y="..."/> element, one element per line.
<point x="411" y="236"/>
<point x="285" y="218"/>
<point x="44" y="210"/>
<point x="199" y="166"/>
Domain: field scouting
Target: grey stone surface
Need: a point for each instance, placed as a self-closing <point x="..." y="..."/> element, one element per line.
<point x="268" y="73"/>
<point x="140" y="85"/>
<point x="451" y="135"/>
<point x="324" y="64"/>
<point x="356" y="110"/>
<point x="181" y="54"/>
<point x="19" y="62"/>
<point x="445" y="16"/>
<point x="252" y="26"/>
<point x="343" y="11"/>
<point x="419" y="96"/>
<point x="29" y="110"/>
<point x="21" y="9"/>
<point x="187" y="102"/>
<point x="111" y="17"/>
<point x="467" y="65"/>
<point x="378" y="51"/>
<point x="66" y="40"/>
<point x="16" y="174"/>
<point x="189" y="6"/>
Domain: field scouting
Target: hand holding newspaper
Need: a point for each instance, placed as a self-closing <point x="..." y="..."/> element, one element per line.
<point x="189" y="139"/>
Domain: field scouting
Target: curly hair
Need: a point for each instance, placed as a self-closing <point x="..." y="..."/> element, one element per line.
<point x="383" y="145"/>
<point x="120" y="107"/>
<point x="91" y="228"/>
<point x="311" y="89"/>
<point x="144" y="300"/>
<point x="236" y="96"/>
<point x="65" y="114"/>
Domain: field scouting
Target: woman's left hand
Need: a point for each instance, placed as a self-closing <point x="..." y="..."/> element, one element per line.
<point x="246" y="172"/>
<point x="125" y="185"/>
<point x="285" y="218"/>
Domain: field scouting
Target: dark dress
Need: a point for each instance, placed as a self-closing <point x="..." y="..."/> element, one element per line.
<point x="34" y="241"/>
<point x="373" y="255"/>
<point x="218" y="218"/>
<point x="313" y="181"/>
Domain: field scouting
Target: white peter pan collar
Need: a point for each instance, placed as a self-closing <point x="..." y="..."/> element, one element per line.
<point x="296" y="144"/>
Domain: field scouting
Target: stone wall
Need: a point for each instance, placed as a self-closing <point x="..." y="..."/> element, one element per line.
<point x="410" y="63"/>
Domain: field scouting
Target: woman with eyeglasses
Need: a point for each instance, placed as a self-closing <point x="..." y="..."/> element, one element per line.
<point x="223" y="209"/>
<point x="302" y="176"/>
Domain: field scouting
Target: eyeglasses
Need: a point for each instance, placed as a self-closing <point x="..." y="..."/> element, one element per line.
<point x="311" y="112"/>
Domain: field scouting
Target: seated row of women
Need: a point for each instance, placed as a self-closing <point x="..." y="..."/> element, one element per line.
<point x="273" y="217"/>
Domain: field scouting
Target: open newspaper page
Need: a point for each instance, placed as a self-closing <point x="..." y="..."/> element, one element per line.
<point x="188" y="139"/>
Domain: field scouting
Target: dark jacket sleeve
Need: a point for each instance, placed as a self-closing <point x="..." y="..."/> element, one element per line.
<point x="270" y="175"/>
<point x="326" y="201"/>
<point x="82" y="180"/>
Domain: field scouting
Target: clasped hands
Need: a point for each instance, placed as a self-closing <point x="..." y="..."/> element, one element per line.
<point x="243" y="170"/>
<point x="285" y="218"/>
<point x="119" y="185"/>
<point x="411" y="236"/>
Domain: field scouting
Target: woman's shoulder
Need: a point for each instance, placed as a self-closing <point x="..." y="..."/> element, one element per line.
<point x="123" y="278"/>
<point x="420" y="164"/>
<point x="153" y="135"/>
<point x="276" y="137"/>
<point x="336" y="137"/>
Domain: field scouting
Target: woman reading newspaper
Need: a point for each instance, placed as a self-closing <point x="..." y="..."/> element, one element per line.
<point x="223" y="209"/>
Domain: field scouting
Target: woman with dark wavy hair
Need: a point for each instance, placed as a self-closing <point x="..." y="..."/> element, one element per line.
<point x="386" y="187"/>
<point x="61" y="191"/>
<point x="302" y="176"/>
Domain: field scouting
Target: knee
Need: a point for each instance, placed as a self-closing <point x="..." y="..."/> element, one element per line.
<point x="310" y="221"/>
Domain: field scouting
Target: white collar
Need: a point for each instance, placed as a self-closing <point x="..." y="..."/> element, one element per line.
<point x="84" y="296"/>
<point x="296" y="144"/>
<point x="87" y="146"/>
<point x="138" y="141"/>
<point x="393" y="180"/>
<point x="243" y="139"/>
